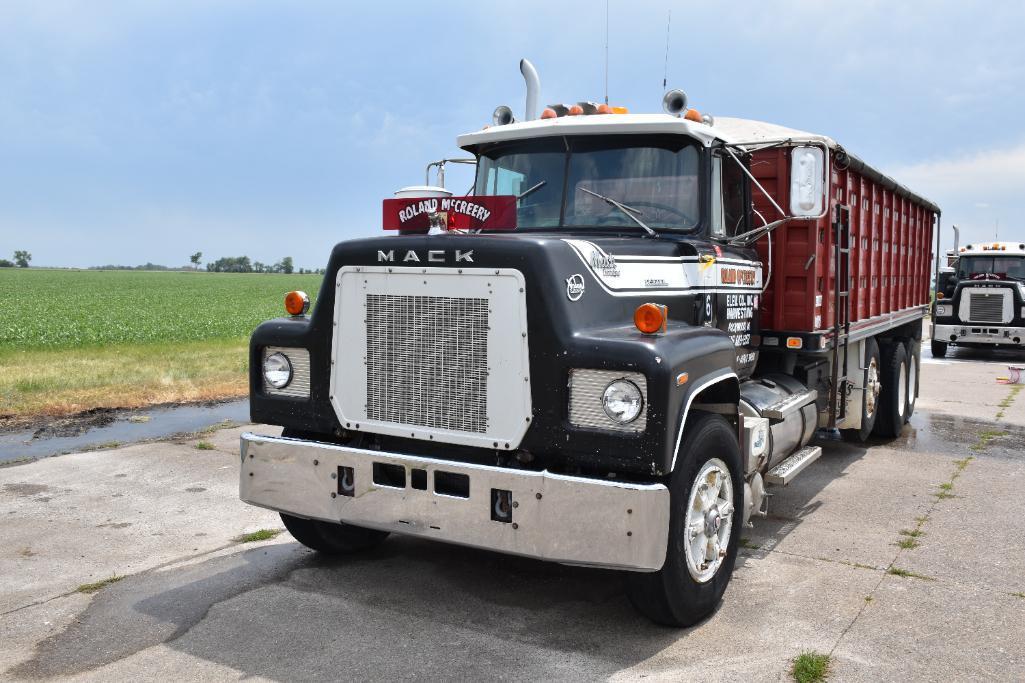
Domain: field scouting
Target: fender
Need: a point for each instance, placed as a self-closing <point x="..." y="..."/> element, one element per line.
<point x="725" y="375"/>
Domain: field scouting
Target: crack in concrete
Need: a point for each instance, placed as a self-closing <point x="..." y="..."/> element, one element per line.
<point x="959" y="467"/>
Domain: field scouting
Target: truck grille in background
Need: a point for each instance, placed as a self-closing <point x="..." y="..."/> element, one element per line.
<point x="986" y="308"/>
<point x="427" y="361"/>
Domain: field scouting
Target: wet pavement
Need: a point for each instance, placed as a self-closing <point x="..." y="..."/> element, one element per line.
<point x="116" y="427"/>
<point x="824" y="571"/>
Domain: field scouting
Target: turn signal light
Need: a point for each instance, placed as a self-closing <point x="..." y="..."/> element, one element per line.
<point x="297" y="303"/>
<point x="651" y="318"/>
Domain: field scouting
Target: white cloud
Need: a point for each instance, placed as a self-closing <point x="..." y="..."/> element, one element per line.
<point x="994" y="172"/>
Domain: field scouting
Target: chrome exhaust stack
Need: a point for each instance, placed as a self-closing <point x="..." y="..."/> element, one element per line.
<point x="533" y="89"/>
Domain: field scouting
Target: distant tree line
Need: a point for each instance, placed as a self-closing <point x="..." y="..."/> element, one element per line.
<point x="242" y="264"/>
<point x="21" y="259"/>
<point x="145" y="266"/>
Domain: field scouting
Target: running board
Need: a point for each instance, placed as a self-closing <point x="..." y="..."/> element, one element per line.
<point x="784" y="473"/>
<point x="791" y="404"/>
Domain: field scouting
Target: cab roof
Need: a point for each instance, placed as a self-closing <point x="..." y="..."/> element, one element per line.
<point x="992" y="249"/>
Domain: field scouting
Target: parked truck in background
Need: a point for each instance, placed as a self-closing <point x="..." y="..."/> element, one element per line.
<point x="604" y="355"/>
<point x="980" y="298"/>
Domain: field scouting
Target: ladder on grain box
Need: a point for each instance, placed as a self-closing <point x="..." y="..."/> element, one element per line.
<point x="839" y="383"/>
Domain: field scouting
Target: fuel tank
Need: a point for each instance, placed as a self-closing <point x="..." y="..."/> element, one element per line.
<point x="759" y="397"/>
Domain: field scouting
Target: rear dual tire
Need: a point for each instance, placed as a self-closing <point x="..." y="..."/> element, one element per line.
<point x="938" y="348"/>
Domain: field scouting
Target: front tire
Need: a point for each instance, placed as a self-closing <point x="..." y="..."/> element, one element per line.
<point x="332" y="539"/>
<point x="938" y="348"/>
<point x="706" y="490"/>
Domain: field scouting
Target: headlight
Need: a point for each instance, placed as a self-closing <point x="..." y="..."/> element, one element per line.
<point x="277" y="370"/>
<point x="942" y="310"/>
<point x="622" y="401"/>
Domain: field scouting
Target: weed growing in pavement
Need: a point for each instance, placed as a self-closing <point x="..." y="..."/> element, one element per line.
<point x="749" y="544"/>
<point x="913" y="533"/>
<point x="1008" y="400"/>
<point x="1018" y="595"/>
<point x="259" y="535"/>
<point x="907" y="574"/>
<point x="810" y="667"/>
<point x="98" y="585"/>
<point x="204" y="446"/>
<point x="907" y="543"/>
<point x="869" y="598"/>
<point x="985" y="437"/>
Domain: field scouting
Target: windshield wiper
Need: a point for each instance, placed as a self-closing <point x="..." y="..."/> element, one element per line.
<point x="530" y="190"/>
<point x="629" y="211"/>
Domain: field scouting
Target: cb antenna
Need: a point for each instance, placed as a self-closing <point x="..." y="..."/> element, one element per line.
<point x="665" y="72"/>
<point x="606" y="51"/>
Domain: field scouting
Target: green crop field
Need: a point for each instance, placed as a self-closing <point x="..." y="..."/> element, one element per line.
<point x="71" y="309"/>
<point x="71" y="341"/>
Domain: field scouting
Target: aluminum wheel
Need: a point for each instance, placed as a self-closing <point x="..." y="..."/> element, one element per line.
<point x="709" y="520"/>
<point x="902" y="391"/>
<point x="874" y="386"/>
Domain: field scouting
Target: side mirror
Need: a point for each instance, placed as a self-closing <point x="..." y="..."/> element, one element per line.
<point x="807" y="181"/>
<point x="946" y="282"/>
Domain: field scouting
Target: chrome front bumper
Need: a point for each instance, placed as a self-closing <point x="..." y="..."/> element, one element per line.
<point x="573" y="520"/>
<point x="978" y="333"/>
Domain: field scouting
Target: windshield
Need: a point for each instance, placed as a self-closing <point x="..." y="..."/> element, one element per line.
<point x="1012" y="267"/>
<point x="657" y="176"/>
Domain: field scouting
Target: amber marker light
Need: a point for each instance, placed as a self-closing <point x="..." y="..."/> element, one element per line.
<point x="604" y="109"/>
<point x="575" y="110"/>
<point x="297" y="303"/>
<point x="794" y="342"/>
<point x="549" y="113"/>
<point x="650" y="318"/>
<point x="693" y="115"/>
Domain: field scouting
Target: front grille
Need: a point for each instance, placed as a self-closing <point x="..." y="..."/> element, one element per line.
<point x="427" y="361"/>
<point x="986" y="308"/>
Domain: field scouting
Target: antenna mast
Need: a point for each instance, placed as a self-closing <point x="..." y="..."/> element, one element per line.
<point x="606" y="51"/>
<point x="665" y="72"/>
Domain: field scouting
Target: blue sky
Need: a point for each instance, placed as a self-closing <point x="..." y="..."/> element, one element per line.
<point x="134" y="132"/>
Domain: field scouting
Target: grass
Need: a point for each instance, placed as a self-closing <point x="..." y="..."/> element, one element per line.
<point x="98" y="585"/>
<point x="1008" y="400"/>
<point x="204" y="446"/>
<point x="912" y="533"/>
<point x="1018" y="595"/>
<point x="810" y="667"/>
<point x="985" y="437"/>
<point x="71" y="340"/>
<point x="907" y="574"/>
<point x="258" y="535"/>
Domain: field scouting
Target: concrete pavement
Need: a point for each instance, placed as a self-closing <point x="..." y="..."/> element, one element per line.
<point x="196" y="603"/>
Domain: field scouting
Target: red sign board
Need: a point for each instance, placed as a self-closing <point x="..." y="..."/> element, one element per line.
<point x="419" y="214"/>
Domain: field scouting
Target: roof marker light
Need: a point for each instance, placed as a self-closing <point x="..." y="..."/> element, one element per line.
<point x="575" y="110"/>
<point x="548" y="113"/>
<point x="693" y="115"/>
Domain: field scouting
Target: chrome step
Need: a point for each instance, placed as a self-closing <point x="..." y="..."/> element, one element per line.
<point x="784" y="473"/>
<point x="780" y="409"/>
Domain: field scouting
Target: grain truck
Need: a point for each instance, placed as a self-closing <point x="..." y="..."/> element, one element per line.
<point x="604" y="354"/>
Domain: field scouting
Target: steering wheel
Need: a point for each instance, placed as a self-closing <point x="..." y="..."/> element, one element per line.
<point x="665" y="207"/>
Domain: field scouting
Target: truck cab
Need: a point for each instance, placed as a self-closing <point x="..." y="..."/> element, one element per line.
<point x="980" y="298"/>
<point x="571" y="363"/>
